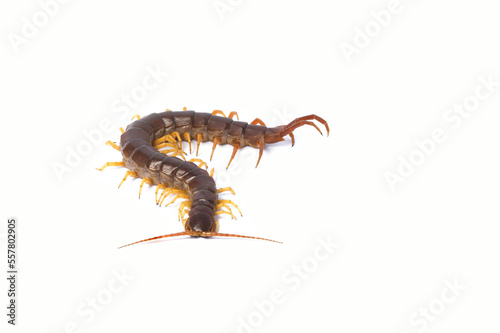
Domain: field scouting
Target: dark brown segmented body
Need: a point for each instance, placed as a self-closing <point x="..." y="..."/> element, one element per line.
<point x="141" y="157"/>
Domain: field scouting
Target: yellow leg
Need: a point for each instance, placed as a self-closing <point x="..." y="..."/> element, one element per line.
<point x="136" y="116"/>
<point x="176" y="152"/>
<point x="180" y="153"/>
<point x="165" y="144"/>
<point x="219" y="207"/>
<point x="182" y="196"/>
<point x="224" y="212"/>
<point x="216" y="226"/>
<point x="178" y="136"/>
<point x="122" y="130"/>
<point x="168" y="110"/>
<point x="257" y="121"/>
<point x="231" y="203"/>
<point x="170" y="191"/>
<point x="168" y="151"/>
<point x="184" y="109"/>
<point x="225" y="189"/>
<point x="188" y="139"/>
<point x="235" y="149"/>
<point x="111" y="164"/>
<point x="158" y="187"/>
<point x="199" y="137"/>
<point x="128" y="173"/>
<point x="112" y="144"/>
<point x="212" y="172"/>
<point x="216" y="141"/>
<point x="232" y="114"/>
<point x="144" y="180"/>
<point x="168" y="138"/>
<point x="165" y="193"/>
<point x="184" y="208"/>
<point x="200" y="161"/>
<point x="216" y="112"/>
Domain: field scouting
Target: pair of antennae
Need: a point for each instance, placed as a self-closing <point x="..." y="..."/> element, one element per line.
<point x="203" y="234"/>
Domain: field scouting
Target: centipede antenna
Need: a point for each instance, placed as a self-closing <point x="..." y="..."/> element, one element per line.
<point x="198" y="234"/>
<point x="184" y="233"/>
<point x="210" y="234"/>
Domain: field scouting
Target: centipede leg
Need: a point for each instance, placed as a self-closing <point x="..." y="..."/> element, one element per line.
<point x="112" y="144"/>
<point x="235" y="149"/>
<point x="122" y="130"/>
<point x="188" y="139"/>
<point x="183" y="196"/>
<point x="165" y="144"/>
<point x="199" y="161"/>
<point x="176" y="152"/>
<point x="257" y="121"/>
<point x="216" y="226"/>
<point x="167" y="138"/>
<point x="111" y="164"/>
<point x="293" y="139"/>
<point x="177" y="136"/>
<point x="128" y="173"/>
<point x="261" y="150"/>
<point x="184" y="208"/>
<point x="220" y="206"/>
<point x="169" y="191"/>
<point x="231" y="203"/>
<point x="225" y="212"/>
<point x="216" y="112"/>
<point x="216" y="141"/>
<point x="232" y="114"/>
<point x="144" y="180"/>
<point x="136" y="116"/>
<point x="158" y="187"/>
<point x="224" y="189"/>
<point x="180" y="153"/>
<point x="199" y="137"/>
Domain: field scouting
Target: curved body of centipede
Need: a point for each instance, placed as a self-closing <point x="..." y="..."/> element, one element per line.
<point x="141" y="145"/>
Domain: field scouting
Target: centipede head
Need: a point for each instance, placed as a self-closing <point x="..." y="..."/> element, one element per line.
<point x="200" y="222"/>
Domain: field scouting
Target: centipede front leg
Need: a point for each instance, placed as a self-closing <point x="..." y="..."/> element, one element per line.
<point x="151" y="149"/>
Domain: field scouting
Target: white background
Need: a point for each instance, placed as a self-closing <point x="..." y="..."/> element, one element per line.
<point x="398" y="250"/>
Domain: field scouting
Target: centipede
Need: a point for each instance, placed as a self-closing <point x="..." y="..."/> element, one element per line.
<point x="151" y="149"/>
